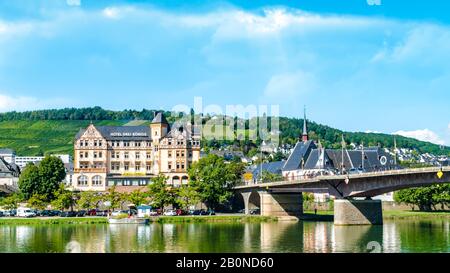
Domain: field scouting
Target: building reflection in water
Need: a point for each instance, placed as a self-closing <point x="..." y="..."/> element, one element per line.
<point x="391" y="238"/>
<point x="24" y="235"/>
<point x="318" y="237"/>
<point x="357" y="239"/>
<point x="283" y="236"/>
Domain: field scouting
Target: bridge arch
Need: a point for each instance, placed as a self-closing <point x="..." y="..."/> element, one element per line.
<point x="250" y="200"/>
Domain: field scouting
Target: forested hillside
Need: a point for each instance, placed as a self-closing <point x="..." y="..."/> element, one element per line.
<point x="52" y="131"/>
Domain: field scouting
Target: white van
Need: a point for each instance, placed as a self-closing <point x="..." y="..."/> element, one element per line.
<point x="25" y="212"/>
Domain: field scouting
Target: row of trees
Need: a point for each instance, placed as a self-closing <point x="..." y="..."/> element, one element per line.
<point x="425" y="198"/>
<point x="90" y="113"/>
<point x="211" y="182"/>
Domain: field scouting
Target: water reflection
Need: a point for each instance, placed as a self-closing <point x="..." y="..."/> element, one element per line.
<point x="312" y="237"/>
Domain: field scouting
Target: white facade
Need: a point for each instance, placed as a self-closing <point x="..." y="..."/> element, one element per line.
<point x="22" y="161"/>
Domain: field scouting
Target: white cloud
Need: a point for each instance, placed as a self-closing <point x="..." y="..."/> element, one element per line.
<point x="23" y="103"/>
<point x="114" y="12"/>
<point x="73" y="2"/>
<point x="421" y="44"/>
<point x="290" y="85"/>
<point x="372" y="132"/>
<point x="423" y="135"/>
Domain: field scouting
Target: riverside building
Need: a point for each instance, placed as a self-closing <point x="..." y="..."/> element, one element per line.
<point x="128" y="157"/>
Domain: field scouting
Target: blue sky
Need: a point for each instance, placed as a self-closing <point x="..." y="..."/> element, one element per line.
<point x="357" y="67"/>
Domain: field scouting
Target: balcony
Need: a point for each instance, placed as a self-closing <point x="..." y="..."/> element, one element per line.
<point x="90" y="170"/>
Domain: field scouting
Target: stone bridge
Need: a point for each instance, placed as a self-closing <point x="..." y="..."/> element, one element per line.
<point x="284" y="198"/>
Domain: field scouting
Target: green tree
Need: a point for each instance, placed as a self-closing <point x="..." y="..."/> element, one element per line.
<point x="137" y="197"/>
<point x="187" y="196"/>
<point x="214" y="179"/>
<point x="113" y="197"/>
<point x="426" y="198"/>
<point x="64" y="199"/>
<point x="271" y="177"/>
<point x="38" y="201"/>
<point x="12" y="201"/>
<point x="52" y="172"/>
<point x="29" y="181"/>
<point x="88" y="200"/>
<point x="43" y="179"/>
<point x="160" y="193"/>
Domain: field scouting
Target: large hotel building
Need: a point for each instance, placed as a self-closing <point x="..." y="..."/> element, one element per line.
<point x="130" y="156"/>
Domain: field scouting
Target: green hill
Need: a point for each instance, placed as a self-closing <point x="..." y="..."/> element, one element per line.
<point x="52" y="131"/>
<point x="43" y="136"/>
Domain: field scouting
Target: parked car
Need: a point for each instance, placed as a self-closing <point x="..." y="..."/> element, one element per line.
<point x="56" y="212"/>
<point x="81" y="213"/>
<point x="207" y="212"/>
<point x="255" y="211"/>
<point x="170" y="213"/>
<point x="25" y="212"/>
<point x="196" y="212"/>
<point x="1" y="214"/>
<point x="47" y="213"/>
<point x="101" y="213"/>
<point x="8" y="213"/>
<point x="68" y="214"/>
<point x="154" y="213"/>
<point x="181" y="212"/>
<point x="91" y="212"/>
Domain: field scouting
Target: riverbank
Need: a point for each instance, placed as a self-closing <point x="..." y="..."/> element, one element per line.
<point x="53" y="221"/>
<point x="212" y="219"/>
<point x="394" y="215"/>
<point x="161" y="220"/>
<point x="387" y="215"/>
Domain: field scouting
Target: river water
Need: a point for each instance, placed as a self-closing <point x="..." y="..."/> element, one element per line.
<point x="410" y="236"/>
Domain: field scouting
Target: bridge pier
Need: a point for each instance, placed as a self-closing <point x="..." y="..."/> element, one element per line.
<point x="281" y="204"/>
<point x="358" y="212"/>
<point x="246" y="197"/>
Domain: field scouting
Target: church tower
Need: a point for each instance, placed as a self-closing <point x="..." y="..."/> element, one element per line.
<point x="305" y="137"/>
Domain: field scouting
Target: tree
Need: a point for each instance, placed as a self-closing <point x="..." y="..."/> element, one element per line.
<point x="43" y="179"/>
<point x="52" y="172"/>
<point x="29" y="181"/>
<point x="113" y="197"/>
<point x="137" y="197"/>
<point x="278" y="156"/>
<point x="160" y="193"/>
<point x="64" y="199"/>
<point x="187" y="196"/>
<point x="38" y="201"/>
<point x="426" y="198"/>
<point x="88" y="200"/>
<point x="123" y="198"/>
<point x="11" y="202"/>
<point x="271" y="177"/>
<point x="214" y="179"/>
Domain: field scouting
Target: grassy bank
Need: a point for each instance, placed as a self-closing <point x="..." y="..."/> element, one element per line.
<point x="397" y="214"/>
<point x="212" y="219"/>
<point x="391" y="214"/>
<point x="53" y="221"/>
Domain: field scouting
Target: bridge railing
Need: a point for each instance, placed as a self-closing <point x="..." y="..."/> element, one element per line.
<point x="328" y="174"/>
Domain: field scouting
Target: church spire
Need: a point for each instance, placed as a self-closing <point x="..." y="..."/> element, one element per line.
<point x="305" y="127"/>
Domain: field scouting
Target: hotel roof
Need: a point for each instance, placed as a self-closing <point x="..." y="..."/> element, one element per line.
<point x="121" y="132"/>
